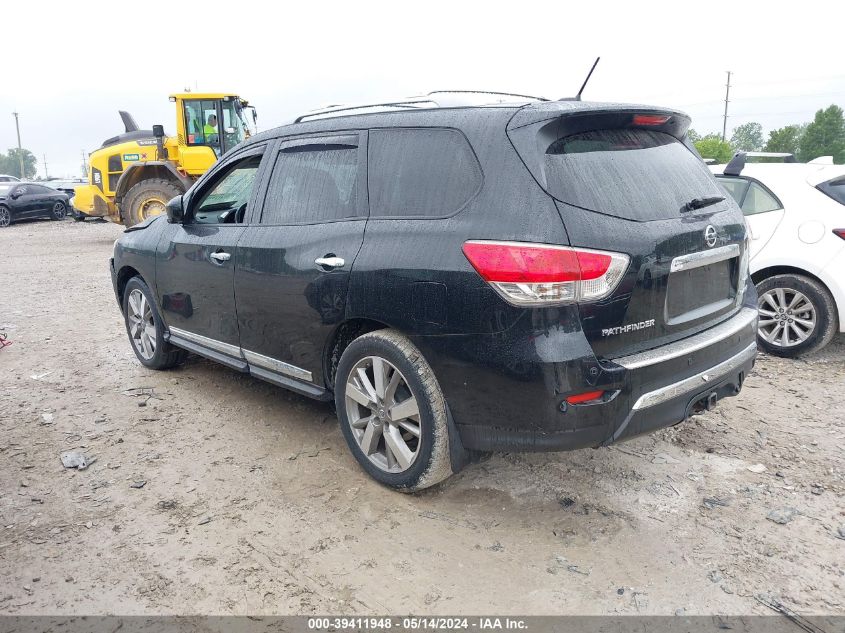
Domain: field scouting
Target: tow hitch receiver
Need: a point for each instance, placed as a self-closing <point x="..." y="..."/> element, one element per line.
<point x="705" y="403"/>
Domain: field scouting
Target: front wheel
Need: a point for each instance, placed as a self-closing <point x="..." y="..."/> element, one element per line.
<point x="797" y="315"/>
<point x="392" y="411"/>
<point x="146" y="329"/>
<point x="5" y="217"/>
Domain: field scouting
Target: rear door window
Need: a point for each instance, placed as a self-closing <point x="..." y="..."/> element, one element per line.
<point x="634" y="174"/>
<point x="735" y="187"/>
<point x="759" y="200"/>
<point x="420" y="172"/>
<point x="313" y="183"/>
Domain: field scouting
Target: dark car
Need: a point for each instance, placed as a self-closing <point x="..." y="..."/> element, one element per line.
<point x="530" y="275"/>
<point x="27" y="200"/>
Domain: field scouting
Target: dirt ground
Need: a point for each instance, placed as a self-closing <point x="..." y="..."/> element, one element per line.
<point x="226" y="495"/>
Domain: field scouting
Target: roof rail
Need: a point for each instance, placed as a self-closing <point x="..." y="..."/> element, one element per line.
<point x="413" y="102"/>
<point x="485" y="92"/>
<point x="420" y="101"/>
<point x="737" y="164"/>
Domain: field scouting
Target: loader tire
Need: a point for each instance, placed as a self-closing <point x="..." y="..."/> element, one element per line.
<point x="147" y="199"/>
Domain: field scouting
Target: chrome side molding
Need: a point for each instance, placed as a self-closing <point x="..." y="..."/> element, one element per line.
<point x="278" y="366"/>
<point x="211" y="343"/>
<point x="703" y="258"/>
<point x="745" y="318"/>
<point x="252" y="358"/>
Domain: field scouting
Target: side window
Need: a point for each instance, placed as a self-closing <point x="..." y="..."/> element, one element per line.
<point x="22" y="191"/>
<point x="226" y="201"/>
<point x="312" y="183"/>
<point x="758" y="200"/>
<point x="734" y="186"/>
<point x="420" y="172"/>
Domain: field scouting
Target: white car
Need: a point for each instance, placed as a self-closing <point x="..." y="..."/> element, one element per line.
<point x="795" y="214"/>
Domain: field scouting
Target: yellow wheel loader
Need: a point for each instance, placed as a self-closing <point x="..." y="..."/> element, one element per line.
<point x="133" y="175"/>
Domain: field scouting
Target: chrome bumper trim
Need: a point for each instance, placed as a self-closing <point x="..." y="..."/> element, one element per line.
<point x="699" y="382"/>
<point x="745" y="318"/>
<point x="703" y="258"/>
<point x="211" y="343"/>
<point x="278" y="366"/>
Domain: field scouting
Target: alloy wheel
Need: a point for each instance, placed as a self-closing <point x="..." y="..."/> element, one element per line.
<point x="787" y="317"/>
<point x="59" y="210"/>
<point x="142" y="329"/>
<point x="5" y="217"/>
<point x="384" y="414"/>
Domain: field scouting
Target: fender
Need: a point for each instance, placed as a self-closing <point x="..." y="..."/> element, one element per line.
<point x="156" y="169"/>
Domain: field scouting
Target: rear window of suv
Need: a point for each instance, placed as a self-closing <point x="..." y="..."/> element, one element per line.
<point x="628" y="173"/>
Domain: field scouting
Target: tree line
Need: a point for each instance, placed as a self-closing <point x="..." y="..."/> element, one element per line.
<point x="10" y="164"/>
<point x="823" y="136"/>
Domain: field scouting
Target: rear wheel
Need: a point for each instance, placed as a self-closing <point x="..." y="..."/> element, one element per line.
<point x="148" y="199"/>
<point x="146" y="329"/>
<point x="392" y="411"/>
<point x="59" y="210"/>
<point x="797" y="315"/>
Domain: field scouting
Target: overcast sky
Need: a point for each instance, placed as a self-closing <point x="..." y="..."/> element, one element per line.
<point x="75" y="64"/>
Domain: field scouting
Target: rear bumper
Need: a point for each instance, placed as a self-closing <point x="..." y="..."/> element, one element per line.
<point x="509" y="405"/>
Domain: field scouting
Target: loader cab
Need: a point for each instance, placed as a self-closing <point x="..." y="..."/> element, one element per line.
<point x="216" y="121"/>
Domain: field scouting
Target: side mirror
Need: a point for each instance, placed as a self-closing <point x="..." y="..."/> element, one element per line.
<point x="175" y="210"/>
<point x="16" y="195"/>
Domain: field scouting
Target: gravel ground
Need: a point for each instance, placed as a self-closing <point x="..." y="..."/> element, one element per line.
<point x="213" y="492"/>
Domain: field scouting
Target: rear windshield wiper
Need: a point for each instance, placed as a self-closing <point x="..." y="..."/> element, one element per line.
<point x="700" y="203"/>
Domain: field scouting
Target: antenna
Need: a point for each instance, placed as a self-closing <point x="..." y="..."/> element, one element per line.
<point x="589" y="74"/>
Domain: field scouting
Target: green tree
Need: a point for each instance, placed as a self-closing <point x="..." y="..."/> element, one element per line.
<point x="10" y="164"/>
<point x="825" y="136"/>
<point x="694" y="136"/>
<point x="748" y="137"/>
<point x="712" y="146"/>
<point x="786" y="139"/>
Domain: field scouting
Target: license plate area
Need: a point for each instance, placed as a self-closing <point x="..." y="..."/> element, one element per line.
<point x="702" y="284"/>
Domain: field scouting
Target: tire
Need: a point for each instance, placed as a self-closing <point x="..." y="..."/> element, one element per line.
<point x="155" y="354"/>
<point x="430" y="463"/>
<point x="59" y="211"/>
<point x="802" y="307"/>
<point x="5" y="217"/>
<point x="147" y="199"/>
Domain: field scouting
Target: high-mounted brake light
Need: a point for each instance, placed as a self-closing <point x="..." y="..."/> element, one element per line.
<point x="649" y="119"/>
<point x="839" y="233"/>
<point x="528" y="274"/>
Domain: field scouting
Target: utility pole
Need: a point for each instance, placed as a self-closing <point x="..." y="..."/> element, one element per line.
<point x="46" y="173"/>
<point x="725" y="119"/>
<point x="84" y="163"/>
<point x="20" y="151"/>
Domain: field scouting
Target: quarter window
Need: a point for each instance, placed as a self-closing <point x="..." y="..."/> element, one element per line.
<point x="226" y="201"/>
<point x="758" y="200"/>
<point x="311" y="184"/>
<point x="420" y="172"/>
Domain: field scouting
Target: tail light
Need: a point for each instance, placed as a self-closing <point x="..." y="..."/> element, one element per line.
<point x="839" y="233"/>
<point x="528" y="274"/>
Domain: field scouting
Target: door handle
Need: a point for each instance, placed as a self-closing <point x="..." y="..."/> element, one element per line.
<point x="330" y="262"/>
<point x="221" y="256"/>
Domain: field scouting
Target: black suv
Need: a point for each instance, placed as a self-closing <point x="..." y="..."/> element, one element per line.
<point x="529" y="275"/>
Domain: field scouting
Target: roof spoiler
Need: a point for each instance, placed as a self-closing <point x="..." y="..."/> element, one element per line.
<point x="737" y="164"/>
